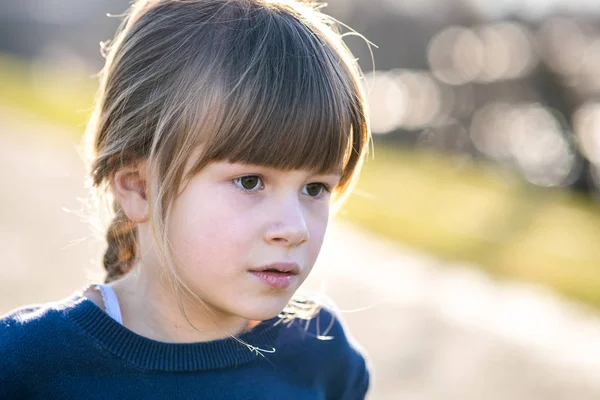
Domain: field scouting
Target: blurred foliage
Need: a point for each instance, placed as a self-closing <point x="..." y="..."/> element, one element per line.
<point x="446" y="205"/>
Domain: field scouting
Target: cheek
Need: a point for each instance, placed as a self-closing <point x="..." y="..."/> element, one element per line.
<point x="205" y="231"/>
<point x="317" y="228"/>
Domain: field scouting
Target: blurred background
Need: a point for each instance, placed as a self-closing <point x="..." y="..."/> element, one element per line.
<point x="465" y="263"/>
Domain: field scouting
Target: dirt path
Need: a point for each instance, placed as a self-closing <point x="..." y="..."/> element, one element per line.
<point x="432" y="331"/>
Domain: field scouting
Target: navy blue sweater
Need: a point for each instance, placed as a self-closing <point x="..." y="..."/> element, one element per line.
<point x="72" y="349"/>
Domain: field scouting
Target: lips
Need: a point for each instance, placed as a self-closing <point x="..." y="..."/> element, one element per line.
<point x="286" y="268"/>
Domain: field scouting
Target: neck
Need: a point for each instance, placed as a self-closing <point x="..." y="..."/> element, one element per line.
<point x="150" y="310"/>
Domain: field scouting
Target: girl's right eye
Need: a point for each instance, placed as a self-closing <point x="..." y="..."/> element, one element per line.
<point x="249" y="183"/>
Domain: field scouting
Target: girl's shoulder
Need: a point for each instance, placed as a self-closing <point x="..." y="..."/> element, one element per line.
<point x="33" y="329"/>
<point x="22" y="319"/>
<point x="329" y="334"/>
<point x="325" y="342"/>
<point x="30" y="340"/>
<point x="318" y="321"/>
<point x="34" y="315"/>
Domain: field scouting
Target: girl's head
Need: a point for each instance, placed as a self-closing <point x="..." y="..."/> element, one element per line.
<point x="223" y="131"/>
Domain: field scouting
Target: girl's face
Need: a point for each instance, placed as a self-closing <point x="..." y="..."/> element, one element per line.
<point x="232" y="219"/>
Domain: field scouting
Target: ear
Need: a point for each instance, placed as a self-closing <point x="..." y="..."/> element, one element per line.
<point x="129" y="186"/>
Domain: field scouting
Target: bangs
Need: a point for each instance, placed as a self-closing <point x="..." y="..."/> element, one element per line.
<point x="287" y="100"/>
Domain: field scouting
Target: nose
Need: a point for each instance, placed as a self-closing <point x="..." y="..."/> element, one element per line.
<point x="289" y="227"/>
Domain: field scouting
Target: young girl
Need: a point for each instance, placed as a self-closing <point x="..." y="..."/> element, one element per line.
<point x="224" y="131"/>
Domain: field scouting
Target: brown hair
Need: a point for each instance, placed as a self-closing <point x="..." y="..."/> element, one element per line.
<point x="256" y="81"/>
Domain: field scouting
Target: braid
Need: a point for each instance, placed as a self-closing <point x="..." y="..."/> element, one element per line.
<point x="121" y="237"/>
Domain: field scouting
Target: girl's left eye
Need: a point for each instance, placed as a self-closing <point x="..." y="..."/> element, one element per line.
<point x="249" y="183"/>
<point x="315" y="189"/>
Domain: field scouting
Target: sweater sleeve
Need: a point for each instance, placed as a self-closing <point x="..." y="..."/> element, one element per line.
<point x="12" y="385"/>
<point x="350" y="374"/>
<point x="362" y="381"/>
<point x="358" y="379"/>
<point x="13" y="356"/>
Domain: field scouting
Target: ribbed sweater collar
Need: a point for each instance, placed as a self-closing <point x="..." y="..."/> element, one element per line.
<point x="150" y="354"/>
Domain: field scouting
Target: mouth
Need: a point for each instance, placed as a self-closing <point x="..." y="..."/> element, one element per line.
<point x="277" y="275"/>
<point x="279" y="268"/>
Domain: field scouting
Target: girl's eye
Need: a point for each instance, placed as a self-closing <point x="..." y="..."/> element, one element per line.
<point x="249" y="183"/>
<point x="315" y="189"/>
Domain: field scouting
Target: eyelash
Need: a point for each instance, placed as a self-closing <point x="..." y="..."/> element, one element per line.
<point x="325" y="187"/>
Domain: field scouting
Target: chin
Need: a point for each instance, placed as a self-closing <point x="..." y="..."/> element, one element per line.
<point x="263" y="310"/>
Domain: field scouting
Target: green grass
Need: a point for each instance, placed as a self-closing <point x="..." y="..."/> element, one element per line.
<point x="441" y="204"/>
<point x="481" y="214"/>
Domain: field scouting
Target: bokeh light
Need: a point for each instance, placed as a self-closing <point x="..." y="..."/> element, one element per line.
<point x="406" y="99"/>
<point x="539" y="146"/>
<point x="490" y="130"/>
<point x="508" y="52"/>
<point x="455" y="55"/>
<point x="529" y="135"/>
<point x="387" y="102"/>
<point x="488" y="53"/>
<point x="586" y="125"/>
<point x="563" y="45"/>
